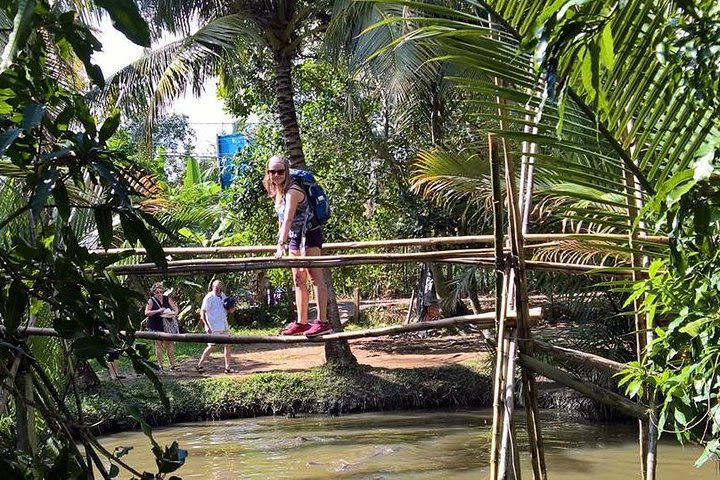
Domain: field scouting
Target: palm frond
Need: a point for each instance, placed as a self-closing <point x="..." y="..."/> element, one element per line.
<point x="644" y="122"/>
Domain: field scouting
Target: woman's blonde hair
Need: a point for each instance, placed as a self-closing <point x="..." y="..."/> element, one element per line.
<point x="155" y="286"/>
<point x="270" y="187"/>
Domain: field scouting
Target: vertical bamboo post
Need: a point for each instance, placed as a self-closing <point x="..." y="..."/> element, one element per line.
<point x="500" y="309"/>
<point x="509" y="446"/>
<point x="523" y="316"/>
<point x="647" y="429"/>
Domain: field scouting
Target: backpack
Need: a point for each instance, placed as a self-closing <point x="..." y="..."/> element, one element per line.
<point x="315" y="194"/>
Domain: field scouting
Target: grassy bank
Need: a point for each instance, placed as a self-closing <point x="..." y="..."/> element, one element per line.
<point x="316" y="391"/>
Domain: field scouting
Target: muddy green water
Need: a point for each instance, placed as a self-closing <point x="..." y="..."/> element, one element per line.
<point x="399" y="445"/>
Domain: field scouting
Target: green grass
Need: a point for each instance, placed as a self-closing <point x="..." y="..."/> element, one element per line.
<point x="183" y="350"/>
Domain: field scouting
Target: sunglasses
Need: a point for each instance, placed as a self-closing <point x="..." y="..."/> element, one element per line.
<point x="276" y="172"/>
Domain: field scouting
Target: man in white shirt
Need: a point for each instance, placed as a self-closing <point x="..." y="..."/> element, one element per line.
<point x="214" y="317"/>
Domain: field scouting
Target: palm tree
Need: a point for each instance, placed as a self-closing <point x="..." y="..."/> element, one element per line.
<point x="278" y="29"/>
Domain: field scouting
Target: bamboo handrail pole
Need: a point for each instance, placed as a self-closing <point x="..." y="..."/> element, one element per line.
<point x="589" y="389"/>
<point x="550" y="266"/>
<point x="322" y="261"/>
<point x="578" y="357"/>
<point x="485" y="320"/>
<point x="403" y="242"/>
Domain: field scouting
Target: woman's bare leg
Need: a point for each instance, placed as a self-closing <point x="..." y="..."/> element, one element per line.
<point x="318" y="279"/>
<point x="302" y="296"/>
<point x="159" y="353"/>
<point x="170" y="349"/>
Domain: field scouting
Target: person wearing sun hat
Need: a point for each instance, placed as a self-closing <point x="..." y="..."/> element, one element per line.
<point x="158" y="306"/>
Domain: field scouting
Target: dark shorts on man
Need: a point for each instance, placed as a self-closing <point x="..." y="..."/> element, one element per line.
<point x="112" y="355"/>
<point x="313" y="239"/>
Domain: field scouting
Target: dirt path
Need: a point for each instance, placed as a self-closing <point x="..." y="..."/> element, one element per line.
<point x="391" y="352"/>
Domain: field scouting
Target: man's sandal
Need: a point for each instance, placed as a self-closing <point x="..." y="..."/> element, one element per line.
<point x="230" y="370"/>
<point x="199" y="368"/>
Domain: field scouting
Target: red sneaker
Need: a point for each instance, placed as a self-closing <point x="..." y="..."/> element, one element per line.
<point x="295" y="328"/>
<point x="318" y="328"/>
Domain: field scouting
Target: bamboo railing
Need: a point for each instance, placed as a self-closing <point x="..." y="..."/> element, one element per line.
<point x="545" y="238"/>
<point x="481" y="320"/>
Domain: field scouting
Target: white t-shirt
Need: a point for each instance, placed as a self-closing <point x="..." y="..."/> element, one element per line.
<point x="216" y="313"/>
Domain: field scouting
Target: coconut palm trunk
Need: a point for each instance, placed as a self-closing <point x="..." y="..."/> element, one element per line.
<point x="286" y="107"/>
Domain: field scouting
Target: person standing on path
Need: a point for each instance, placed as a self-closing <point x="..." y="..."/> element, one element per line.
<point x="159" y="305"/>
<point x="298" y="236"/>
<point x="214" y="314"/>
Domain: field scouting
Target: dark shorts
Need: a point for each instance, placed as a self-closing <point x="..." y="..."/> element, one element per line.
<point x="155" y="325"/>
<point x="112" y="355"/>
<point x="313" y="238"/>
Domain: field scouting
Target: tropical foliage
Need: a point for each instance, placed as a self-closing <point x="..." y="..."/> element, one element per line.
<point x="614" y="105"/>
<point x="59" y="182"/>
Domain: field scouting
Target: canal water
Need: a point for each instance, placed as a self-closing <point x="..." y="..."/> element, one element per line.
<point x="428" y="444"/>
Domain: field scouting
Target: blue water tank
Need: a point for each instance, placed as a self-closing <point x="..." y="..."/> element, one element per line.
<point x="228" y="146"/>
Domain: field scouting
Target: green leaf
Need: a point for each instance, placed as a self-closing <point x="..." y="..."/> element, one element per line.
<point x="136" y="229"/>
<point x="15" y="306"/>
<point x="110" y="126"/>
<point x="32" y="115"/>
<point x="607" y="50"/>
<point x="192" y="172"/>
<point x="103" y="220"/>
<point x="680" y="417"/>
<point x="695" y="327"/>
<point x="62" y="202"/>
<point x="711" y="450"/>
<point x="586" y="72"/>
<point x="90" y="347"/>
<point x="127" y="19"/>
<point x="8" y="137"/>
<point x="634" y="388"/>
<point x="43" y="187"/>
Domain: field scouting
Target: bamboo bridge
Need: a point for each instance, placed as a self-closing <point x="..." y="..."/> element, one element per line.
<point x="506" y="251"/>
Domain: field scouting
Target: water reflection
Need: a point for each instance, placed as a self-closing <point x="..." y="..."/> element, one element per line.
<point x="398" y="445"/>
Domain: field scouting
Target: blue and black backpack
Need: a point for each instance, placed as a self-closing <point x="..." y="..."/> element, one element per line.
<point x="316" y="196"/>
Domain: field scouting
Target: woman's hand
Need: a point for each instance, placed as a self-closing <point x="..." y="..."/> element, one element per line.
<point x="280" y="251"/>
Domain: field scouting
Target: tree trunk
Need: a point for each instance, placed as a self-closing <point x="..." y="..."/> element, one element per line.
<point x="261" y="286"/>
<point x="337" y="354"/>
<point x="452" y="307"/>
<point x="85" y="376"/>
<point x="286" y="107"/>
<point x="473" y="296"/>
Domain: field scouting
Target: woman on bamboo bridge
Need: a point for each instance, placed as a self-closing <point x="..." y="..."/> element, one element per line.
<point x="297" y="235"/>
